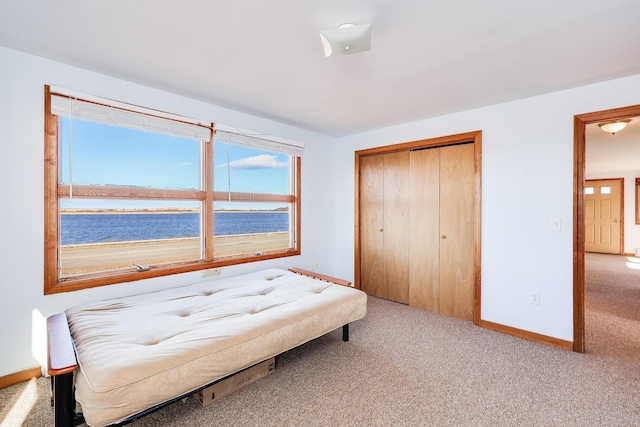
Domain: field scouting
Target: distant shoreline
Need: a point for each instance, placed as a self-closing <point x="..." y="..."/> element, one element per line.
<point x="155" y="211"/>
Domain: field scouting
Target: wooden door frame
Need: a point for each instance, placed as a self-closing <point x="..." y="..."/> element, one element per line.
<point x="621" y="213"/>
<point x="579" y="143"/>
<point x="474" y="137"/>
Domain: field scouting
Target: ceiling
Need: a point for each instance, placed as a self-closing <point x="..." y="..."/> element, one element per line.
<point x="265" y="58"/>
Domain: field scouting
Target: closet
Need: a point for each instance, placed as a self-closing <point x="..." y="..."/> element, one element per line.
<point x="416" y="226"/>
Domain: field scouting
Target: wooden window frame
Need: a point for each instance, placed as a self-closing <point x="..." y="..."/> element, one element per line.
<point x="637" y="201"/>
<point x="53" y="190"/>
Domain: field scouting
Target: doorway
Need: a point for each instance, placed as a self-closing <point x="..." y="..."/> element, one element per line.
<point x="579" y="148"/>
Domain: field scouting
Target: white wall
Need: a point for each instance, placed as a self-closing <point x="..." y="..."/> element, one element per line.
<point x="22" y="80"/>
<point x="631" y="229"/>
<point x="527" y="173"/>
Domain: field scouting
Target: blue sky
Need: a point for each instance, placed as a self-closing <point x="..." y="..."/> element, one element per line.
<point x="109" y="155"/>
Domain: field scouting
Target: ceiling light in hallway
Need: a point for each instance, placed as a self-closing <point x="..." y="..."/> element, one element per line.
<point x="348" y="38"/>
<point x="613" y="127"/>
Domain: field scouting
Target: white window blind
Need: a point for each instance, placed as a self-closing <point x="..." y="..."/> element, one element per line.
<point x="64" y="105"/>
<point x="261" y="142"/>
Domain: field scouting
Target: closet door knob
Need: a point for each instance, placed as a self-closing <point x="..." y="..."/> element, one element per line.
<point x="380" y="230"/>
<point x="443" y="237"/>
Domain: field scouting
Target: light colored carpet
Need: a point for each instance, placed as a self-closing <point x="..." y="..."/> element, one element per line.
<point x="407" y="367"/>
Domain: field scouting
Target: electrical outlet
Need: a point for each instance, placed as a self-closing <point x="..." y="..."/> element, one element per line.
<point x="535" y="298"/>
<point x="556" y="224"/>
<point x="212" y="272"/>
<point x="314" y="265"/>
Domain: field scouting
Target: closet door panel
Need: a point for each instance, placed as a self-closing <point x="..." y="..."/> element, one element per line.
<point x="371" y="225"/>
<point x="456" y="229"/>
<point x="396" y="225"/>
<point x="424" y="238"/>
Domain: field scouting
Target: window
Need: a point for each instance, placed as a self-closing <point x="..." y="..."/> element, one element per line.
<point x="605" y="189"/>
<point x="588" y="190"/>
<point x="254" y="195"/>
<point x="132" y="193"/>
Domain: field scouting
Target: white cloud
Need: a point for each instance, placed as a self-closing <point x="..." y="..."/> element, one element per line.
<point x="181" y="165"/>
<point x="263" y="161"/>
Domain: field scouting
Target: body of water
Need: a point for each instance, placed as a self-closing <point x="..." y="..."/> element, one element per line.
<point x="99" y="228"/>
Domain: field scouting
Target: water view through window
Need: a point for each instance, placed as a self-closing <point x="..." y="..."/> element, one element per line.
<point x="111" y="234"/>
<point x="114" y="238"/>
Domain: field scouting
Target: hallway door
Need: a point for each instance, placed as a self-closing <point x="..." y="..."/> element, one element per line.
<point x="603" y="216"/>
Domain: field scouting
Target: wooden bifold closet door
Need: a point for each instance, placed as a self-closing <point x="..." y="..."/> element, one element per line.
<point x="416" y="228"/>
<point x="384" y="187"/>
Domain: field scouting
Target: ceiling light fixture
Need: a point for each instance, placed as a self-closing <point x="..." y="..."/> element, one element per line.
<point x="348" y="38"/>
<point x="615" y="126"/>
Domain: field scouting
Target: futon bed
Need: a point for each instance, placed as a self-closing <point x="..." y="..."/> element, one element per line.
<point x="136" y="353"/>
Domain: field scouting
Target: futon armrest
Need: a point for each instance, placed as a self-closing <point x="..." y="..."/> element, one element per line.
<point x="61" y="355"/>
<point x="315" y="275"/>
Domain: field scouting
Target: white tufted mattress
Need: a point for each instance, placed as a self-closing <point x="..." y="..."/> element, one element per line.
<point x="136" y="352"/>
